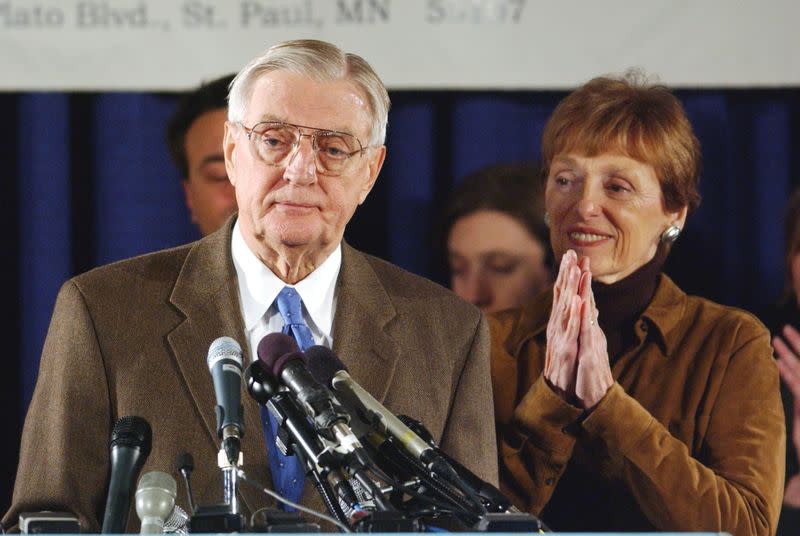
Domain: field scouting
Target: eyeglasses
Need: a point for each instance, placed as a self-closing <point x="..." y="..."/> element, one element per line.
<point x="275" y="143"/>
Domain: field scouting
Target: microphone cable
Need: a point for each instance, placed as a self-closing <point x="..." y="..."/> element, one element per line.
<point x="287" y="502"/>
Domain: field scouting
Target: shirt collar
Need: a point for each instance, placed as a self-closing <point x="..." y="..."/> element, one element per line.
<point x="258" y="286"/>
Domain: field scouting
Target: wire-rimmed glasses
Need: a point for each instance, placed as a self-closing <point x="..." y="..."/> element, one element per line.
<point x="275" y="142"/>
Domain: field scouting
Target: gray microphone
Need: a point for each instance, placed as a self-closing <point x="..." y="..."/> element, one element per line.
<point x="327" y="366"/>
<point x="225" y="364"/>
<point x="155" y="500"/>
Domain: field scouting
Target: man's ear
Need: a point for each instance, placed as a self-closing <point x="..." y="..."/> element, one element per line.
<point x="377" y="155"/>
<point x="228" y="146"/>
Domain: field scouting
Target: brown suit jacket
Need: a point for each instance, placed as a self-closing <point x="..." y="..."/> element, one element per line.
<point x="131" y="338"/>
<point x="690" y="437"/>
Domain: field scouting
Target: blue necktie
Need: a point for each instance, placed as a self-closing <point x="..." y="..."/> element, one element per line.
<point x="287" y="472"/>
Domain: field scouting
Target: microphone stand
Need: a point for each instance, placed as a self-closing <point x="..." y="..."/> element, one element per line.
<point x="230" y="480"/>
<point x="224" y="517"/>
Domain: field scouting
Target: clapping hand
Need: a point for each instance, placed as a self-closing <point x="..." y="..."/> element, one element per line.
<point x="576" y="361"/>
<point x="789" y="367"/>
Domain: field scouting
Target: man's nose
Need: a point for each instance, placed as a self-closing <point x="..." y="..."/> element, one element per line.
<point x="302" y="165"/>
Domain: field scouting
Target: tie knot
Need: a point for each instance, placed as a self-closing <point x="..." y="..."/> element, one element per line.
<point x="289" y="305"/>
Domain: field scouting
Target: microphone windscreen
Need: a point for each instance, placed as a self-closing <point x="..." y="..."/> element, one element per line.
<point x="323" y="364"/>
<point x="274" y="346"/>
<point x="223" y="346"/>
<point x="282" y="361"/>
<point x="132" y="431"/>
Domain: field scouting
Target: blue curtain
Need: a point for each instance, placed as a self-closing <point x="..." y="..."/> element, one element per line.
<point x="88" y="181"/>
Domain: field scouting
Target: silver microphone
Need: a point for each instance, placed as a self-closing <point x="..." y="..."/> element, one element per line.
<point x="155" y="500"/>
<point x="177" y="522"/>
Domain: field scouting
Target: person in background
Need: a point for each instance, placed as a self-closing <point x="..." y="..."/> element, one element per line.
<point x="623" y="404"/>
<point x="496" y="237"/>
<point x="783" y="320"/>
<point x="194" y="138"/>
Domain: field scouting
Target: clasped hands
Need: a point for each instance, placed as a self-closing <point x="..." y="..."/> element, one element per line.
<point x="576" y="361"/>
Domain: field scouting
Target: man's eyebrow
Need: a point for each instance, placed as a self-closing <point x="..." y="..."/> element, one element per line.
<point x="270" y="118"/>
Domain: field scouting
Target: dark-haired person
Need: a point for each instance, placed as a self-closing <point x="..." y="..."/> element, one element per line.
<point x="194" y="137"/>
<point x="496" y="237"/>
<point x="783" y="320"/>
<point x="622" y="403"/>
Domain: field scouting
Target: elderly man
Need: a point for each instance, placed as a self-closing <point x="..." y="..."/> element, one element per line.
<point x="303" y="147"/>
<point x="194" y="137"/>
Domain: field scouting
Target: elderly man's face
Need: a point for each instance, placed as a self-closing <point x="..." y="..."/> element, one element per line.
<point x="294" y="205"/>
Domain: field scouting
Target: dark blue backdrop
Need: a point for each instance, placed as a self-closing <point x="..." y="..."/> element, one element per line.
<point x="88" y="181"/>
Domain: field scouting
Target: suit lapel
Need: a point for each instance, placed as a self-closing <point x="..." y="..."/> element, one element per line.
<point x="206" y="292"/>
<point x="364" y="311"/>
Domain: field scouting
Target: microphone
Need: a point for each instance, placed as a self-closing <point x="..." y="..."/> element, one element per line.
<point x="225" y="364"/>
<point x="330" y="421"/>
<point x="279" y="354"/>
<point x="177" y="522"/>
<point x="490" y="494"/>
<point x="330" y="369"/>
<point x="264" y="389"/>
<point x="326" y="366"/>
<point x="300" y="440"/>
<point x="155" y="500"/>
<point x="130" y="446"/>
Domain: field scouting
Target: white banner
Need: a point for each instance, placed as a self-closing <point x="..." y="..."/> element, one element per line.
<point x="150" y="45"/>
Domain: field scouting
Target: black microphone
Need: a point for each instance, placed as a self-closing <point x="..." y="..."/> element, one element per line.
<point x="264" y="389"/>
<point x="225" y="364"/>
<point x="326" y="366"/>
<point x="300" y="438"/>
<point x="281" y="356"/>
<point x="331" y="422"/>
<point x="497" y="502"/>
<point x="130" y="446"/>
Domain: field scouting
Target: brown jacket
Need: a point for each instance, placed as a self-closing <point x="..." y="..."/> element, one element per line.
<point x="691" y="431"/>
<point x="131" y="338"/>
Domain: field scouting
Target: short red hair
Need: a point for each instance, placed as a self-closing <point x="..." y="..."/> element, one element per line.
<point x="628" y="116"/>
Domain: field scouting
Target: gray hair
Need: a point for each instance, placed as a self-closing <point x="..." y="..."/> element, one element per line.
<point x="319" y="61"/>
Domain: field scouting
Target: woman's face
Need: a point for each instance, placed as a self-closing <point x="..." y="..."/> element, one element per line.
<point x="609" y="208"/>
<point x="495" y="263"/>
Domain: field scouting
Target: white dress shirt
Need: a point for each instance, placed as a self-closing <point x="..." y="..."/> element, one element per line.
<point x="258" y="288"/>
